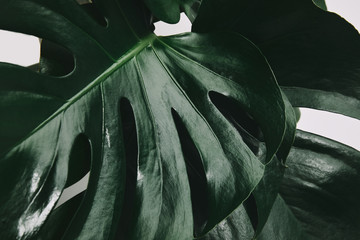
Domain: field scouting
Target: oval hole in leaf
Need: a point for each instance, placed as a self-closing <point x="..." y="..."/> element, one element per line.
<point x="131" y="154"/>
<point x="72" y="191"/>
<point x="166" y="29"/>
<point x="78" y="169"/>
<point x="241" y="120"/>
<point x="19" y="48"/>
<point x="196" y="175"/>
<point x="55" y="60"/>
<point x="80" y="159"/>
<point x="251" y="210"/>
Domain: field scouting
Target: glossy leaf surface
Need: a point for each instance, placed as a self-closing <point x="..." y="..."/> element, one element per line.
<point x="321" y="187"/>
<point x="315" y="54"/>
<point x="235" y="226"/>
<point x="280" y="225"/>
<point x="318" y="197"/>
<point x="124" y="77"/>
<point x="59" y="219"/>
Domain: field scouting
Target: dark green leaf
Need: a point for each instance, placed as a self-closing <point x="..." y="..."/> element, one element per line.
<point x="236" y="226"/>
<point x="282" y="224"/>
<point x="315" y="54"/>
<point x="321" y="186"/>
<point x="158" y="78"/>
<point x="318" y="198"/>
<point x="321" y="4"/>
<point x="297" y="113"/>
<point x="266" y="191"/>
<point x="260" y="203"/>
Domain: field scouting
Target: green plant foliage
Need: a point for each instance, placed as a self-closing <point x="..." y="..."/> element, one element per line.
<point x="314" y="54"/>
<point x="317" y="199"/>
<point x="315" y="58"/>
<point x="321" y="4"/>
<point x="187" y="136"/>
<point x="123" y="75"/>
<point x="320" y="186"/>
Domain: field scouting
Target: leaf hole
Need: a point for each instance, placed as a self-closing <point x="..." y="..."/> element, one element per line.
<point x="166" y="29"/>
<point x="18" y="48"/>
<point x="251" y="210"/>
<point x="93" y="11"/>
<point x="78" y="169"/>
<point x="244" y="123"/>
<point x="55" y="60"/>
<point x="80" y="159"/>
<point x="131" y="154"/>
<point x="196" y="175"/>
<point x="74" y="190"/>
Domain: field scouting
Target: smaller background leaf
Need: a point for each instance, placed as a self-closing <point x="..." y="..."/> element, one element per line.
<point x="321" y="186"/>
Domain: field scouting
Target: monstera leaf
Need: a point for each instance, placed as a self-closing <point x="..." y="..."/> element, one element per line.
<point x="144" y="114"/>
<point x="315" y="58"/>
<point x="318" y="197"/>
<point x="315" y="54"/>
<point x="321" y="187"/>
<point x="281" y="224"/>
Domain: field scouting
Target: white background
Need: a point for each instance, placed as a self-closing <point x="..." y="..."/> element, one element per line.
<point x="24" y="50"/>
